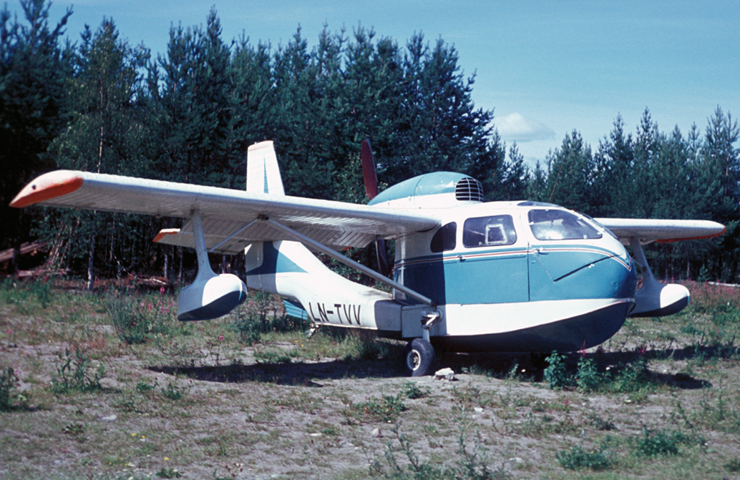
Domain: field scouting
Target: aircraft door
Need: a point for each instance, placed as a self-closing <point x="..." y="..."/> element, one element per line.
<point x="492" y="267"/>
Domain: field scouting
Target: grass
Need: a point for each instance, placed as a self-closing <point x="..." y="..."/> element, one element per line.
<point x="202" y="400"/>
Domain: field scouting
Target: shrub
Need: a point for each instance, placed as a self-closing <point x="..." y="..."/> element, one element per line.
<point x="632" y="377"/>
<point x="733" y="465"/>
<point x="588" y="378"/>
<point x="387" y="409"/>
<point x="556" y="375"/>
<point x="172" y="391"/>
<point x="576" y="458"/>
<point x="468" y="464"/>
<point x="412" y="391"/>
<point x="9" y="398"/>
<point x="660" y="442"/>
<point x="259" y="316"/>
<point x="73" y="373"/>
<point x="136" y="320"/>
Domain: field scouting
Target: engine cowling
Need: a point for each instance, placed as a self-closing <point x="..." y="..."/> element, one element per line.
<point x="211" y="297"/>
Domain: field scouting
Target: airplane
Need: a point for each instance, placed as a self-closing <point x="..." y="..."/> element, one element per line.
<point x="469" y="276"/>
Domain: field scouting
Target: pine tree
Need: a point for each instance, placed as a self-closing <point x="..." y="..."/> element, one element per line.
<point x="105" y="134"/>
<point x="33" y="69"/>
<point x="569" y="171"/>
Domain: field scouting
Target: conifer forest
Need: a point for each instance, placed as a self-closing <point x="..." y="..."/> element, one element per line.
<point x="188" y="115"/>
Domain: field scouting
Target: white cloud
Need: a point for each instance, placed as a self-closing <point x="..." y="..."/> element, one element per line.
<point x="515" y="128"/>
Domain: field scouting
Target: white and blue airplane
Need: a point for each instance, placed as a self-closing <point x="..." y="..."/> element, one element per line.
<point x="469" y="276"/>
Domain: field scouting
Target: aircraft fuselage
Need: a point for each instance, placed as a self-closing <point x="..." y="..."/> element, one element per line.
<point x="524" y="276"/>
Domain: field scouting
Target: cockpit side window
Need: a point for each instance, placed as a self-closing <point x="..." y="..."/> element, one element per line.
<point x="444" y="239"/>
<point x="547" y="224"/>
<point x="489" y="231"/>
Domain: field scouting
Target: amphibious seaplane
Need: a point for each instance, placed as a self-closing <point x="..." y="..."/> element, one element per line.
<point x="469" y="276"/>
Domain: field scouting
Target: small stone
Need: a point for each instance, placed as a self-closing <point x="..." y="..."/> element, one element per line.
<point x="376" y="433"/>
<point x="445" y="374"/>
<point x="108" y="418"/>
<point x="478" y="410"/>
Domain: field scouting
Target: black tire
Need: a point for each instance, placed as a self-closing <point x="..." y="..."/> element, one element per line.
<point x="418" y="358"/>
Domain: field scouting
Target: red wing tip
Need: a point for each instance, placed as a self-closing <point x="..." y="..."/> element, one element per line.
<point x="47" y="186"/>
<point x="164" y="232"/>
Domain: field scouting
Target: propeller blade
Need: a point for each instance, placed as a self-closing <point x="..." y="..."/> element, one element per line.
<point x="382" y="254"/>
<point x="369" y="176"/>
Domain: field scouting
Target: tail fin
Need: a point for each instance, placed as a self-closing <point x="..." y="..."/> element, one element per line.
<point x="263" y="173"/>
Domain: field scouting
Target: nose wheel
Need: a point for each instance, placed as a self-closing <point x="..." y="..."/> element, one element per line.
<point x="419" y="357"/>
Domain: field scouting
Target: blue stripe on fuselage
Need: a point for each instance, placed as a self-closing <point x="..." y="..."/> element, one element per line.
<point x="491" y="276"/>
<point x="557" y="272"/>
<point x="274" y="262"/>
<point x="562" y="272"/>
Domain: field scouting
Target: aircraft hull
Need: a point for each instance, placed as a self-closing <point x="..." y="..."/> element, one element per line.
<point x="573" y="333"/>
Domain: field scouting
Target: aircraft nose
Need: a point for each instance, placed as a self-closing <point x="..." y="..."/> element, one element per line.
<point x="584" y="272"/>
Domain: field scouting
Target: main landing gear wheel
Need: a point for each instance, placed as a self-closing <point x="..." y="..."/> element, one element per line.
<point x="419" y="357"/>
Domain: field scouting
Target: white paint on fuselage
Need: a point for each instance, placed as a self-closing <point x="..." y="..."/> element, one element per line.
<point x="485" y="319"/>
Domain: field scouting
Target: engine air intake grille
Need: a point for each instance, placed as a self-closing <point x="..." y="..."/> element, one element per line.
<point x="469" y="189"/>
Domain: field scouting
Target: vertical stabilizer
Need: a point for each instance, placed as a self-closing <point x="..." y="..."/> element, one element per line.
<point x="263" y="174"/>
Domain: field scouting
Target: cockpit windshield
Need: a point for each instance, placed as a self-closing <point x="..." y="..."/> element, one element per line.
<point x="556" y="224"/>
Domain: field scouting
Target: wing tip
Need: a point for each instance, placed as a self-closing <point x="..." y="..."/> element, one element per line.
<point x="48" y="186"/>
<point x="702" y="237"/>
<point x="164" y="233"/>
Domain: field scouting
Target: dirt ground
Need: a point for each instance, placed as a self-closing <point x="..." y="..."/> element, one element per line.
<point x="195" y="407"/>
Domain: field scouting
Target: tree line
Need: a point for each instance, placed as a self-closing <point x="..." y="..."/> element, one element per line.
<point x="189" y="114"/>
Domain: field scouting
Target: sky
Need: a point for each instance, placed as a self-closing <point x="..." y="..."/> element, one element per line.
<point x="545" y="68"/>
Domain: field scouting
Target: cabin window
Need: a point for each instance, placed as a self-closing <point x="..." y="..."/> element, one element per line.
<point x="444" y="239"/>
<point x="549" y="224"/>
<point x="489" y="231"/>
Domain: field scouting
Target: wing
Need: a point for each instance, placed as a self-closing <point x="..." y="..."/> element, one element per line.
<point x="662" y="231"/>
<point x="230" y="217"/>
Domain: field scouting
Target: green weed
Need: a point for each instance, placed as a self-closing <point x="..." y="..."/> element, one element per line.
<point x="27" y="296"/>
<point x="556" y="374"/>
<point x="73" y="373"/>
<point x="413" y="391"/>
<point x="576" y="458"/>
<point x="273" y="356"/>
<point x="588" y="378"/>
<point x="260" y="316"/>
<point x="74" y="429"/>
<point x="168" y="472"/>
<point x="386" y="409"/>
<point x="137" y="320"/>
<point x="470" y="463"/>
<point x="142" y="386"/>
<point x="172" y="391"/>
<point x="660" y="442"/>
<point x="10" y="398"/>
<point x="733" y="465"/>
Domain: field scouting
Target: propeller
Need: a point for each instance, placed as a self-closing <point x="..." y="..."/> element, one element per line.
<point x="370" y="178"/>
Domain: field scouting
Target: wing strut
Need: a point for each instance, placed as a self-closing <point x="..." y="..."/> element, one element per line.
<point x="347" y="261"/>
